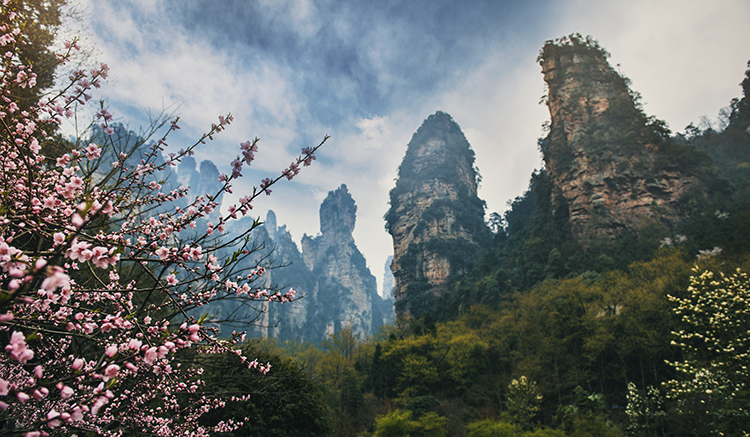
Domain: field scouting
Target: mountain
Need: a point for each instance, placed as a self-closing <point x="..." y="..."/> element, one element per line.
<point x="346" y="292"/>
<point x="388" y="280"/>
<point x="611" y="164"/>
<point x="335" y="289"/>
<point x="436" y="219"/>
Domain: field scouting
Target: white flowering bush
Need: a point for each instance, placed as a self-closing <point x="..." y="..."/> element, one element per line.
<point x="645" y="411"/>
<point x="523" y="401"/>
<point x="715" y="341"/>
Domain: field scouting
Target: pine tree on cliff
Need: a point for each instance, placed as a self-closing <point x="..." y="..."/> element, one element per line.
<point x="436" y="219"/>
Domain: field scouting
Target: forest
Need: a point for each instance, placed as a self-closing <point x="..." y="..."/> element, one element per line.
<point x="642" y="334"/>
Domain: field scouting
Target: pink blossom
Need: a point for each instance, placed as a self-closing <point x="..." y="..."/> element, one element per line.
<point x="79" y="251"/>
<point x="162" y="253"/>
<point x="111" y="351"/>
<point x="76" y="220"/>
<point x="17" y="348"/>
<point x="57" y="278"/>
<point x="34" y="146"/>
<point x="77" y="364"/>
<point x="100" y="402"/>
<point x="52" y="419"/>
<point x="151" y="355"/>
<point x="58" y="238"/>
<point x="66" y="392"/>
<point x="111" y="371"/>
<point x="195" y="253"/>
<point x="171" y="280"/>
<point x="134" y="344"/>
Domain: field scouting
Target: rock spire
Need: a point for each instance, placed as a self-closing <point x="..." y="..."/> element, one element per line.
<point x="436" y="219"/>
<point x="613" y="165"/>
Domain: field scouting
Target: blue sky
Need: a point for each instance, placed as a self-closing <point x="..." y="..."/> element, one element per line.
<point x="369" y="72"/>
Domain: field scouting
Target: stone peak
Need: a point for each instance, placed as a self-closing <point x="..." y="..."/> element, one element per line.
<point x="436" y="150"/>
<point x="338" y="212"/>
<point x="271" y="221"/>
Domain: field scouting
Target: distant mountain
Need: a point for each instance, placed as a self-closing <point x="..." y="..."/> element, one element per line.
<point x="346" y="292"/>
<point x="335" y="288"/>
<point x="389" y="282"/>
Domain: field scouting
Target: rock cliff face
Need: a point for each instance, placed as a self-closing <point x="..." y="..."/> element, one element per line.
<point x="334" y="286"/>
<point x="436" y="219"/>
<point x="612" y="165"/>
<point x="346" y="292"/>
<point x="203" y="180"/>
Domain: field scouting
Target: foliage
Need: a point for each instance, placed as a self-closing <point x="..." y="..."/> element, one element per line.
<point x="101" y="274"/>
<point x="523" y="401"/>
<point x="573" y="43"/>
<point x="715" y="339"/>
<point x="400" y="424"/>
<point x="490" y="428"/>
<point x="285" y="402"/>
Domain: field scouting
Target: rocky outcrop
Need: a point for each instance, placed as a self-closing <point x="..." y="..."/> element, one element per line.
<point x="346" y="291"/>
<point x="334" y="286"/>
<point x="436" y="219"/>
<point x="612" y="165"/>
<point x="203" y="180"/>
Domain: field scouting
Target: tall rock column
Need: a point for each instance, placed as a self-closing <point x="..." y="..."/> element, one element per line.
<point x="346" y="293"/>
<point x="613" y="165"/>
<point x="436" y="219"/>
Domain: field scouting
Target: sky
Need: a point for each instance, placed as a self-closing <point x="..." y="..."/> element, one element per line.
<point x="368" y="73"/>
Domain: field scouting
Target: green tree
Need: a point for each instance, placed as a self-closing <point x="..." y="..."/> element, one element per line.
<point x="400" y="424"/>
<point x="285" y="402"/>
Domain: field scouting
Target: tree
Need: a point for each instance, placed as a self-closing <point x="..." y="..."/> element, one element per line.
<point x="285" y="402"/>
<point x="523" y="401"/>
<point x="713" y="394"/>
<point x="40" y="20"/>
<point x="400" y="424"/>
<point x="86" y="351"/>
